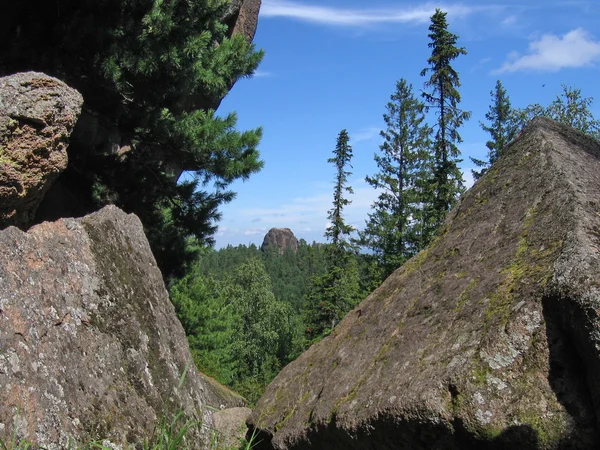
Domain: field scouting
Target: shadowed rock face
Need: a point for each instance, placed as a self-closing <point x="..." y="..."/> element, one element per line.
<point x="280" y="238"/>
<point x="90" y="347"/>
<point x="488" y="339"/>
<point x="37" y="115"/>
<point x="242" y="17"/>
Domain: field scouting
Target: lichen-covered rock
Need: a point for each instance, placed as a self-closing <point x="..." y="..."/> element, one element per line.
<point x="90" y="347"/>
<point x="490" y="338"/>
<point x="281" y="239"/>
<point x="230" y="426"/>
<point x="37" y="115"/>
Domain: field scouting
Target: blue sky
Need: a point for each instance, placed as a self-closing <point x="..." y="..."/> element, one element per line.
<point x="331" y="65"/>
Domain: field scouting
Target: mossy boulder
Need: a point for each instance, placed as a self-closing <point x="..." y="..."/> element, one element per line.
<point x="487" y="339"/>
<point x="90" y="346"/>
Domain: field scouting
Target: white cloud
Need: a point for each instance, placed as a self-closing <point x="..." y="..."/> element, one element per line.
<point x="364" y="134"/>
<point x="355" y="17"/>
<point x="262" y="74"/>
<point x="310" y="211"/>
<point x="255" y="232"/>
<point x="510" y="20"/>
<point x="551" y="53"/>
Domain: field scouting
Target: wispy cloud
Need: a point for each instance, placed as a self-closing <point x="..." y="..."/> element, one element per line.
<point x="550" y="53"/>
<point x="364" y="134"/>
<point x="262" y="74"/>
<point x="306" y="216"/>
<point x="255" y="232"/>
<point x="479" y="64"/>
<point x="509" y="21"/>
<point x="356" y="17"/>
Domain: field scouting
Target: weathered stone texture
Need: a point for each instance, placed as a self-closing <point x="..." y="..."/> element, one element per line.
<point x="245" y="14"/>
<point x="90" y="347"/>
<point x="488" y="339"/>
<point x="230" y="426"/>
<point x="37" y="115"/>
<point x="281" y="239"/>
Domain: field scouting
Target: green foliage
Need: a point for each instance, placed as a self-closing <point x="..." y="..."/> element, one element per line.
<point x="444" y="97"/>
<point x="167" y="435"/>
<point x="153" y="69"/>
<point x="569" y="108"/>
<point x="289" y="271"/>
<point x="207" y="318"/>
<point x="335" y="292"/>
<point x="338" y="229"/>
<point x="503" y="128"/>
<point x="238" y="331"/>
<point x="263" y="326"/>
<point x="397" y="227"/>
<point x="330" y="298"/>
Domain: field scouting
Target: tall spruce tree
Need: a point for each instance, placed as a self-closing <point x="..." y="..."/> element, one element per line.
<point x="443" y="97"/>
<point x="334" y="293"/>
<point x="503" y="128"/>
<point x="338" y="229"/>
<point x="395" y="228"/>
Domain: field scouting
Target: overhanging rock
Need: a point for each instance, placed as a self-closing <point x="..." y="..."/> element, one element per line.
<point x="488" y="339"/>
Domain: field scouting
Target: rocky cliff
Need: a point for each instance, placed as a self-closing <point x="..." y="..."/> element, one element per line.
<point x="488" y="339"/>
<point x="90" y="347"/>
<point x="281" y="239"/>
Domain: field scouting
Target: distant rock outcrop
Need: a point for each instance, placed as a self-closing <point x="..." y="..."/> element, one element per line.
<point x="37" y="115"/>
<point x="90" y="346"/>
<point x="490" y="338"/>
<point x="280" y="238"/>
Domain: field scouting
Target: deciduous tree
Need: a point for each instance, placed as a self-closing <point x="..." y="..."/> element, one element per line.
<point x="569" y="108"/>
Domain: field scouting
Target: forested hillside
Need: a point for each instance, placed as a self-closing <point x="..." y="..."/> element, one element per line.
<point x="247" y="311"/>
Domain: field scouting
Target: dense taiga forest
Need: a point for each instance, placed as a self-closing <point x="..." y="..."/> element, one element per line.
<point x="248" y="311"/>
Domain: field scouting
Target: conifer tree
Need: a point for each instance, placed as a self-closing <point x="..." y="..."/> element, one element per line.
<point x="334" y="293"/>
<point x="502" y="128"/>
<point x="341" y="160"/>
<point x="338" y="229"/>
<point x="394" y="230"/>
<point x="443" y="96"/>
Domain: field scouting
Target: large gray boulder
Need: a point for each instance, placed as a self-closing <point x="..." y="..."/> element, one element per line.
<point x="37" y="115"/>
<point x="490" y="338"/>
<point x="90" y="347"/>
